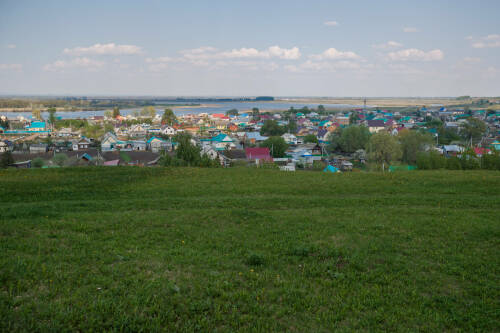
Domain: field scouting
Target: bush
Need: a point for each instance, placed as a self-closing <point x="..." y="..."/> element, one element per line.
<point x="423" y="161"/>
<point x="6" y="159"/>
<point x="60" y="159"/>
<point x="167" y="160"/>
<point x="318" y="165"/>
<point x="437" y="160"/>
<point x="37" y="162"/>
<point x="490" y="161"/>
<point x="453" y="163"/>
<point x="255" y="260"/>
<point x="469" y="161"/>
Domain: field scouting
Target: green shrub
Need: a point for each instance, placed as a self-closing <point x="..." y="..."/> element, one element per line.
<point x="437" y="160"/>
<point x="453" y="163"/>
<point x="469" y="160"/>
<point x="490" y="161"/>
<point x="423" y="161"/>
<point x="37" y="162"/>
<point x="318" y="165"/>
<point x="255" y="260"/>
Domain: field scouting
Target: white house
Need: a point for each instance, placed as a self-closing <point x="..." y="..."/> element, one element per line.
<point x="168" y="130"/>
<point x="289" y="138"/>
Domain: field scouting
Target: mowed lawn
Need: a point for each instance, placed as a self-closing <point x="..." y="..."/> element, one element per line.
<point x="148" y="249"/>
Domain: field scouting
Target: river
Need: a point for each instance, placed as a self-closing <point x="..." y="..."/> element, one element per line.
<point x="219" y="107"/>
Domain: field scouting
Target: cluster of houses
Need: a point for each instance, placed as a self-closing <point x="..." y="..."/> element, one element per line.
<point x="232" y="138"/>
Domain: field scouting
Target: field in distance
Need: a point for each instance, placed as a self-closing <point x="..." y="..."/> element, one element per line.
<point x="396" y="101"/>
<point x="246" y="249"/>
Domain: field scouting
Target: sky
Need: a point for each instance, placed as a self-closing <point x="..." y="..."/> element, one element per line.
<point x="250" y="48"/>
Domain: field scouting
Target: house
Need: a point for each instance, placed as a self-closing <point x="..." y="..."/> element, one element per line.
<point x="323" y="135"/>
<point x="258" y="154"/>
<point x="342" y="120"/>
<point x="221" y="142"/>
<point x="254" y="137"/>
<point x="168" y="130"/>
<point x="137" y="131"/>
<point x="375" y="126"/>
<point x="112" y="163"/>
<point x="158" y="144"/>
<point x="210" y="152"/>
<point x="452" y="150"/>
<point x="289" y="138"/>
<point x="496" y="145"/>
<point x="37" y="126"/>
<point x="82" y="144"/>
<point x="65" y="132"/>
<point x="38" y="148"/>
<point x="138" y="145"/>
<point x="108" y="142"/>
<point x="3" y="147"/>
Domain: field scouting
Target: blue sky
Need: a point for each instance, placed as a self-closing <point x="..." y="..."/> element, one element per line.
<point x="232" y="48"/>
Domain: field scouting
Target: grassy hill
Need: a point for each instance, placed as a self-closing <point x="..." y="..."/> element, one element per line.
<point x="250" y="250"/>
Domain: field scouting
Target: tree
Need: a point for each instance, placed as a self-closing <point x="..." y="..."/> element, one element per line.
<point x="148" y="111"/>
<point x="354" y="138"/>
<point x="108" y="114"/>
<point x="4" y="123"/>
<point x="321" y="109"/>
<point x="291" y="127"/>
<point x="186" y="150"/>
<point x="116" y="112"/>
<point x="353" y="118"/>
<point x="413" y="142"/>
<point x="6" y="159"/>
<point x="52" y="116"/>
<point x="334" y="140"/>
<point x="60" y="159"/>
<point x="311" y="138"/>
<point x="255" y="113"/>
<point x="473" y="129"/>
<point x="232" y="112"/>
<point x="277" y="146"/>
<point x="36" y="114"/>
<point x="383" y="148"/>
<point x="447" y="135"/>
<point x="168" y="117"/>
<point x="271" y="128"/>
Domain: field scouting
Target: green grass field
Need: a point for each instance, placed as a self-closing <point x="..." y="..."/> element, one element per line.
<point x="131" y="249"/>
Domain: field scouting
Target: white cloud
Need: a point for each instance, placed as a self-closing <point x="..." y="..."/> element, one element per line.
<point x="410" y="29"/>
<point x="489" y="41"/>
<point x="335" y="54"/>
<point x="11" y="46"/>
<point x="311" y="65"/>
<point x="159" y="59"/>
<point x="288" y="54"/>
<point x="403" y="69"/>
<point x="331" y="23"/>
<point x="389" y="45"/>
<point x="158" y="67"/>
<point x="416" y="55"/>
<point x="74" y="63"/>
<point x="15" y="67"/>
<point x="206" y="53"/>
<point x="104" y="49"/>
<point x="472" y="60"/>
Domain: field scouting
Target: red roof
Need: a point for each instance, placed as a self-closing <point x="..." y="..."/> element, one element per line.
<point x="481" y="151"/>
<point x="261" y="153"/>
<point x="218" y="115"/>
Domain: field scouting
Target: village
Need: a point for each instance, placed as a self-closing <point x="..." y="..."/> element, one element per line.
<point x="308" y="139"/>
